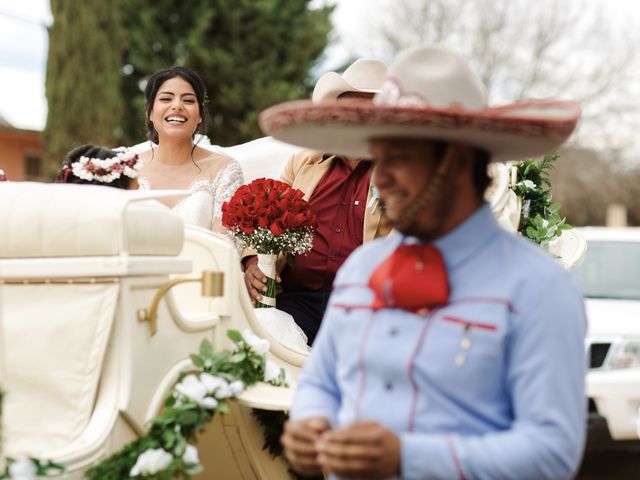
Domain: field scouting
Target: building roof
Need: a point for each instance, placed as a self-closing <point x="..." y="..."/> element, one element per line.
<point x="4" y="123"/>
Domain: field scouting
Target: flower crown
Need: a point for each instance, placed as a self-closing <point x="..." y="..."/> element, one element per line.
<point x="106" y="170"/>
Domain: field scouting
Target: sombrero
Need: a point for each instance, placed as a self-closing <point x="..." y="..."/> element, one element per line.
<point x="430" y="93"/>
<point x="363" y="75"/>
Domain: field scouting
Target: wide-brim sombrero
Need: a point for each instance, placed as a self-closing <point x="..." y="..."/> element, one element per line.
<point x="430" y="93"/>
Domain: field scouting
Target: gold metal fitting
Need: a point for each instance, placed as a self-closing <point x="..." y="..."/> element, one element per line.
<point x="212" y="286"/>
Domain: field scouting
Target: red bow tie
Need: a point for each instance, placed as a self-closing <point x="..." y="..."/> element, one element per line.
<point x="413" y="278"/>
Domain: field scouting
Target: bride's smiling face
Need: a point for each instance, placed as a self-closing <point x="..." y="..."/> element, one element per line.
<point x="175" y="112"/>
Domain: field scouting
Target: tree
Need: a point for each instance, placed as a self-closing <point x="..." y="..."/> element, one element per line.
<point x="86" y="43"/>
<point x="521" y="49"/>
<point x="250" y="54"/>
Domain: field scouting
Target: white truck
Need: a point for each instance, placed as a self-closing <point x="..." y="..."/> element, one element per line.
<point x="610" y="276"/>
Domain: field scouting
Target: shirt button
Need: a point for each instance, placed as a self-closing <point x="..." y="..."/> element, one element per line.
<point x="393" y="332"/>
<point x="388" y="386"/>
<point x="338" y="230"/>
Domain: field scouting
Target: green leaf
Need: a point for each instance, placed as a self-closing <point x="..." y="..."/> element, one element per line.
<point x="193" y="469"/>
<point x="238" y="357"/>
<point x="187" y="418"/>
<point x="197" y="360"/>
<point x="234" y="336"/>
<point x="206" y="350"/>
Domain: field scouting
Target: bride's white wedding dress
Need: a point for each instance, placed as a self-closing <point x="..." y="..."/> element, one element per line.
<point x="203" y="206"/>
<point x="208" y="190"/>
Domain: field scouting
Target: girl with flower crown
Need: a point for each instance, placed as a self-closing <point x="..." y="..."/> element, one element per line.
<point x="96" y="165"/>
<point x="176" y="110"/>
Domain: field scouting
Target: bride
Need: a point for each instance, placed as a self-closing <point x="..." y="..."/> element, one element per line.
<point x="175" y="111"/>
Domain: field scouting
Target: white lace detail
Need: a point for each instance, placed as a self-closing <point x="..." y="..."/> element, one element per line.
<point x="224" y="186"/>
<point x="203" y="206"/>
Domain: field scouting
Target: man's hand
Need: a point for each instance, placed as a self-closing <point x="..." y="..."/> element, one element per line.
<point x="361" y="450"/>
<point x="299" y="441"/>
<point x="256" y="282"/>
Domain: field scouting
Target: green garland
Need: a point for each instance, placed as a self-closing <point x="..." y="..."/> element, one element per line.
<point x="183" y="418"/>
<point x="539" y="218"/>
<point x="35" y="467"/>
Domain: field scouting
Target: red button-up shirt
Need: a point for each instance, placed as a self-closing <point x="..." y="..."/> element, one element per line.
<point x="339" y="202"/>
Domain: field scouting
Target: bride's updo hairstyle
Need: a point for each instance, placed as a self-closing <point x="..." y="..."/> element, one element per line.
<point x="155" y="82"/>
<point x="81" y="167"/>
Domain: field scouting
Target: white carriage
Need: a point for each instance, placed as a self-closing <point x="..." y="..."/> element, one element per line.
<point x="82" y="374"/>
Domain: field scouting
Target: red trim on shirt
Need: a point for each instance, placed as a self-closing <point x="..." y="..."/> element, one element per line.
<point x="361" y="365"/>
<point x="454" y="457"/>
<point x="462" y="321"/>
<point x="502" y="301"/>
<point x="412" y="358"/>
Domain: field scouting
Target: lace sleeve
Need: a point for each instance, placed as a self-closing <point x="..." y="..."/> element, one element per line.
<point x="225" y="185"/>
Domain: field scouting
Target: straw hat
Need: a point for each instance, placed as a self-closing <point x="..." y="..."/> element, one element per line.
<point x="431" y="93"/>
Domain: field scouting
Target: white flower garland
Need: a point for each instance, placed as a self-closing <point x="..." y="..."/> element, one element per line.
<point x="106" y="170"/>
<point x="218" y="378"/>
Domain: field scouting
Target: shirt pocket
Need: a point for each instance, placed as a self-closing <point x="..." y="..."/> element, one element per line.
<point x="467" y="346"/>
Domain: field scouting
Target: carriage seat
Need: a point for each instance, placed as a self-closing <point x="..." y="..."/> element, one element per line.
<point x="65" y="254"/>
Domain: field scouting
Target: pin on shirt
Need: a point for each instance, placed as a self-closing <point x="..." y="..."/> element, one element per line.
<point x="465" y="345"/>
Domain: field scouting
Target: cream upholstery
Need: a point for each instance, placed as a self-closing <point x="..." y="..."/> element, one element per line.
<point x="55" y="391"/>
<point x="83" y="375"/>
<point x="62" y="220"/>
<point x="76" y="263"/>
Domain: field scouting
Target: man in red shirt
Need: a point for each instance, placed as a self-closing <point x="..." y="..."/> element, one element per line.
<point x="343" y="200"/>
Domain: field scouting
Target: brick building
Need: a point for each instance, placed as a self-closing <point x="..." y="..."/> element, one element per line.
<point x="21" y="153"/>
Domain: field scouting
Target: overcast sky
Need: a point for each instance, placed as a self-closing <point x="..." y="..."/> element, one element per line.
<point x="23" y="49"/>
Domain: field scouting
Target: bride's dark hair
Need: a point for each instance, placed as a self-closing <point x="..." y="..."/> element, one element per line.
<point x="155" y="82"/>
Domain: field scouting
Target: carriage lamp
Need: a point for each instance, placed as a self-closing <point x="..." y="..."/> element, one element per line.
<point x="212" y="286"/>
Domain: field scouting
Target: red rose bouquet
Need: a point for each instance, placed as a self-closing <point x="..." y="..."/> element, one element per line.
<point x="270" y="217"/>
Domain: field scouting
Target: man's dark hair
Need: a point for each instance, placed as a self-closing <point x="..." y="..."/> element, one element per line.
<point x="481" y="179"/>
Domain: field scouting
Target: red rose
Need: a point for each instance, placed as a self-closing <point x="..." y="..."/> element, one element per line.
<point x="258" y="186"/>
<point x="247" y="198"/>
<point x="285" y="205"/>
<point x="247" y="226"/>
<point x="298" y="220"/>
<point x="263" y="221"/>
<point x="277" y="228"/>
<point x="252" y="211"/>
<point x="285" y="220"/>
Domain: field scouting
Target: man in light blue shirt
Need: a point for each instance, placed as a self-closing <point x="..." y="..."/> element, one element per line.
<point x="452" y="348"/>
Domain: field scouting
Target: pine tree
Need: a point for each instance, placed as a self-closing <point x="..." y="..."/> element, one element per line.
<point x="83" y="82"/>
<point x="250" y="53"/>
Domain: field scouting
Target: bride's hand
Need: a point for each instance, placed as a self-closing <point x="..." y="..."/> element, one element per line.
<point x="256" y="282"/>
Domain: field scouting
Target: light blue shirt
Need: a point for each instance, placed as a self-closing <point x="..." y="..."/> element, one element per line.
<point x="513" y="406"/>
